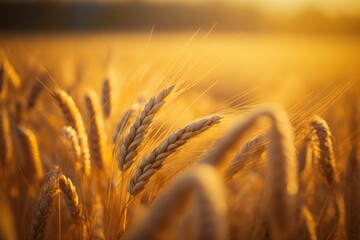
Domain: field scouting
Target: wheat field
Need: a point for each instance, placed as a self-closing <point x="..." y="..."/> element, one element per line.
<point x="198" y="135"/>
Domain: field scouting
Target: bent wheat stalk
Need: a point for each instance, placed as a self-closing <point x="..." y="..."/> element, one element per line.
<point x="129" y="148"/>
<point x="205" y="185"/>
<point x="96" y="127"/>
<point x="152" y="163"/>
<point x="75" y="120"/>
<point x="282" y="178"/>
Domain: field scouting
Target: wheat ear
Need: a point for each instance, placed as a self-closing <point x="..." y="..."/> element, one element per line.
<point x="204" y="183"/>
<point x="9" y="70"/>
<point x="326" y="159"/>
<point x="75" y="120"/>
<point x="34" y="93"/>
<point x="96" y="126"/>
<point x="252" y="149"/>
<point x="71" y="198"/>
<point x="6" y="145"/>
<point x="154" y="161"/>
<point x="129" y="148"/>
<point x="106" y="98"/>
<point x="282" y="178"/>
<point x="71" y="136"/>
<point x="44" y="205"/>
<point x="31" y="151"/>
<point x="122" y="124"/>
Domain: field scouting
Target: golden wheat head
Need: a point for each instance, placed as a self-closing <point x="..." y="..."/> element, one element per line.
<point x="129" y="148"/>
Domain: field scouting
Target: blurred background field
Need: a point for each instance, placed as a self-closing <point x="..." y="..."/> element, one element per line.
<point x="280" y="50"/>
<point x="273" y="66"/>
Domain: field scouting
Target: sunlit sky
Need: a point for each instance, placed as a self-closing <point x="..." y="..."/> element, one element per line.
<point x="332" y="7"/>
<point x="329" y="7"/>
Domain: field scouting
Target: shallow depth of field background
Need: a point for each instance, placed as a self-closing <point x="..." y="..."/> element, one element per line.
<point x="273" y="50"/>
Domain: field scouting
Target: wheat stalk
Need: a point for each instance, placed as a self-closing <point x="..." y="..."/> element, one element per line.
<point x="71" y="198"/>
<point x="98" y="216"/>
<point x="310" y="222"/>
<point x="154" y="161"/>
<point x="204" y="183"/>
<point x="6" y="146"/>
<point x="106" y="98"/>
<point x="75" y="120"/>
<point x="44" y="206"/>
<point x="282" y="177"/>
<point x="2" y="82"/>
<point x="252" y="149"/>
<point x="129" y="148"/>
<point x="326" y="159"/>
<point x="122" y="124"/>
<point x="96" y="127"/>
<point x="352" y="183"/>
<point x="31" y="151"/>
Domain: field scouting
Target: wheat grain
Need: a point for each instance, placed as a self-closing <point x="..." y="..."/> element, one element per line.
<point x="204" y="183"/>
<point x="96" y="127"/>
<point x="154" y="161"/>
<point x="71" y="136"/>
<point x="122" y="124"/>
<point x="252" y="149"/>
<point x="44" y="206"/>
<point x="129" y="148"/>
<point x="326" y="160"/>
<point x="31" y="151"/>
<point x="75" y="120"/>
<point x="71" y="198"/>
<point x="106" y="98"/>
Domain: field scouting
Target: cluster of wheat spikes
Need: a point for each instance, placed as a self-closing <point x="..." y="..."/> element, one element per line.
<point x="129" y="186"/>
